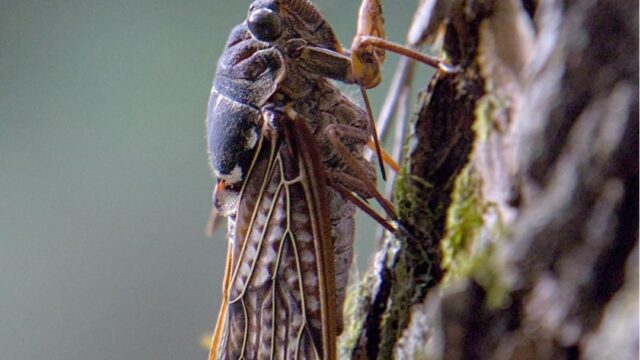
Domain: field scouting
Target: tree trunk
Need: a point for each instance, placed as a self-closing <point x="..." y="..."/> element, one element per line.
<point x="518" y="202"/>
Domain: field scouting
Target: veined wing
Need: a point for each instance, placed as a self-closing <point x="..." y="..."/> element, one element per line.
<point x="280" y="292"/>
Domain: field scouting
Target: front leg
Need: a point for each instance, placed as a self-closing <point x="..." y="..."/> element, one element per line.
<point x="369" y="44"/>
<point x="366" y="59"/>
<point x="323" y="62"/>
<point x="360" y="66"/>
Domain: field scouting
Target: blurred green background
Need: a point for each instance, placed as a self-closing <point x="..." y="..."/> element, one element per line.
<point x="104" y="184"/>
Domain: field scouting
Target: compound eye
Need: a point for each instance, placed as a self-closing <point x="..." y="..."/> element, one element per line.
<point x="264" y="24"/>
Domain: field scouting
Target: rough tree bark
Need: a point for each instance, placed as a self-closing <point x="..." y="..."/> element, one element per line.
<point x="520" y="191"/>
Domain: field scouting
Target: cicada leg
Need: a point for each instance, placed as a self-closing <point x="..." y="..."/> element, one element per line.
<point x="372" y="124"/>
<point x="360" y="66"/>
<point x="334" y="133"/>
<point x="369" y="45"/>
<point x="347" y="184"/>
<point x="406" y="51"/>
<point x="386" y="157"/>
<point x="344" y="191"/>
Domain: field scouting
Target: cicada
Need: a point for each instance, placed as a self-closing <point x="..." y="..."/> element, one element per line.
<point x="287" y="149"/>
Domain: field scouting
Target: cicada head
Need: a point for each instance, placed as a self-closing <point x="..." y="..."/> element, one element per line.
<point x="282" y="20"/>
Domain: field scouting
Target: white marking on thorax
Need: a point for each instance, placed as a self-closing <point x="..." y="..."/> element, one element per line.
<point x="233" y="177"/>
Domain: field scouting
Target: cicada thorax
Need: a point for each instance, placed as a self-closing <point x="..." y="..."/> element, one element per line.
<point x="246" y="77"/>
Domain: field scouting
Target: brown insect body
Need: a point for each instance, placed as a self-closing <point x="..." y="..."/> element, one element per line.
<point x="290" y="234"/>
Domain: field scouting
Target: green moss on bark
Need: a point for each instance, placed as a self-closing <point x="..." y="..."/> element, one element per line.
<point x="358" y="295"/>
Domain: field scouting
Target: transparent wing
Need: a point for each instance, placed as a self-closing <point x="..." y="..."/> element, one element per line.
<point x="280" y="296"/>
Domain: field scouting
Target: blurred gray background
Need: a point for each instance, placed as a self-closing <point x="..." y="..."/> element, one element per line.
<point x="104" y="184"/>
